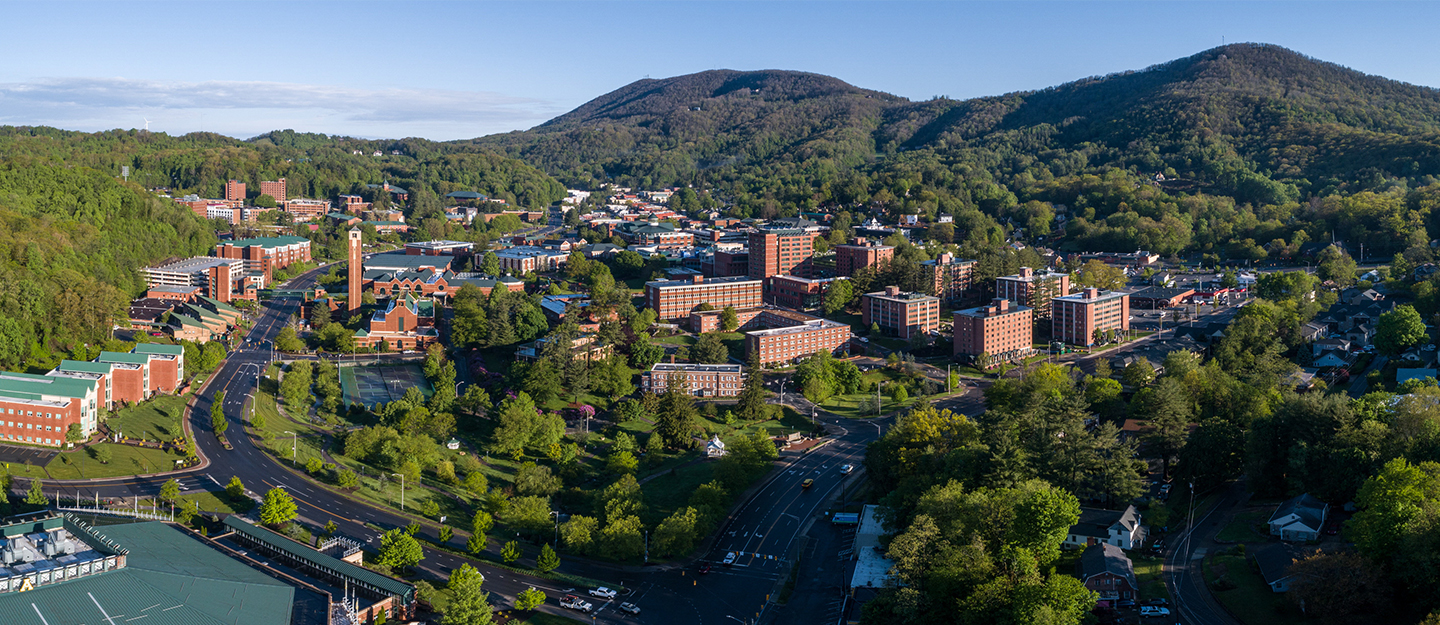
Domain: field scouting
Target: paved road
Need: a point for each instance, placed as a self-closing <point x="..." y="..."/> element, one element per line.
<point x="1183" y="573"/>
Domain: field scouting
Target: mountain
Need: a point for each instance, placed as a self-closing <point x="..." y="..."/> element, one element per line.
<point x="1235" y="115"/>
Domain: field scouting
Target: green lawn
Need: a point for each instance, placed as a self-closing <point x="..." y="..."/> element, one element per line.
<point x="125" y="460"/>
<point x="154" y="420"/>
<point x="1149" y="574"/>
<point x="670" y="491"/>
<point x="1251" y="600"/>
<point x="1243" y="528"/>
<point x="678" y="339"/>
<point x="863" y="404"/>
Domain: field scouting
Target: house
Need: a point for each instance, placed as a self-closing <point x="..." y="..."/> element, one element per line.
<point x="1107" y="571"/>
<point x="715" y="448"/>
<point x="1274" y="560"/>
<point x="1298" y="519"/>
<point x="1120" y="528"/>
<point x="1330" y="359"/>
<point x="1404" y="375"/>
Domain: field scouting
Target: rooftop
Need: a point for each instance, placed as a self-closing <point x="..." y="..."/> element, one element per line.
<point x="1080" y="296"/>
<point x="711" y="281"/>
<point x="197" y="264"/>
<point x="156" y="348"/>
<point x="808" y="326"/>
<point x="268" y="242"/>
<point x="695" y="368"/>
<point x="903" y="296"/>
<point x="121" y="357"/>
<point x="439" y="245"/>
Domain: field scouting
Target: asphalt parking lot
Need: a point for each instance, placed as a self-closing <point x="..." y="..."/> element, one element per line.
<point x="21" y="455"/>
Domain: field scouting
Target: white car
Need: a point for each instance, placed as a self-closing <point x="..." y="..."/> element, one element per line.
<point x="575" y="603"/>
<point x="1151" y="610"/>
<point x="729" y="558"/>
<point x="630" y="608"/>
<point x="846" y="469"/>
<point x="602" y="592"/>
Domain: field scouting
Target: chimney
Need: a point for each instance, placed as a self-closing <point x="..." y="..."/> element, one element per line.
<point x="1092" y="293"/>
<point x="1026" y="272"/>
<point x="892" y="291"/>
<point x="1001" y="304"/>
<point x="859" y="240"/>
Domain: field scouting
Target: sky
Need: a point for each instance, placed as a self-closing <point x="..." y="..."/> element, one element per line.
<point x="457" y="70"/>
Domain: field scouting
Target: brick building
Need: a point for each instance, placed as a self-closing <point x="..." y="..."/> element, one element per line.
<point x="433" y="283"/>
<point x="130" y="376"/>
<point x="901" y="313"/>
<point x="275" y="189"/>
<point x="797" y="339"/>
<point x="39" y="409"/>
<point x="264" y="255"/>
<point x="1033" y="289"/>
<point x="675" y="299"/>
<point x="1077" y="318"/>
<point x="221" y="278"/>
<point x="700" y="380"/>
<point x="863" y="253"/>
<point x="735" y="263"/>
<point x="303" y="209"/>
<point x="777" y="251"/>
<point x="99" y="372"/>
<point x="1158" y="297"/>
<point x="235" y="191"/>
<point x="167" y="366"/>
<point x="404" y="323"/>
<point x="1000" y="329"/>
<point x="527" y="258"/>
<point x="355" y="268"/>
<point x="661" y="234"/>
<point x="949" y="277"/>
<point x="798" y="293"/>
<point x="1108" y="572"/>
<point x="439" y="248"/>
<point x="352" y="204"/>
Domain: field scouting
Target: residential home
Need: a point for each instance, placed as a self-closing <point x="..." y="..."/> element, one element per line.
<point x="1107" y="571"/>
<point x="1120" y="528"/>
<point x="1299" y="519"/>
<point x="1404" y="375"/>
<point x="1274" y="560"/>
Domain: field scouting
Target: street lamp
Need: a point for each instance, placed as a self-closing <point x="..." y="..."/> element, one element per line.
<point x="402" y="490"/>
<point x="556" y="514"/>
<point x="294" y="447"/>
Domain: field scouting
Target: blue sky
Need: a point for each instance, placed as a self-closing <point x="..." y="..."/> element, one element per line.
<point x="450" y="70"/>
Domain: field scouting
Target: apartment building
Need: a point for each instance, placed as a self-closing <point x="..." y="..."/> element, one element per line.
<point x="1079" y="318"/>
<point x="731" y="263"/>
<point x="950" y="277"/>
<point x="1034" y="289"/>
<point x="800" y="338"/>
<point x="263" y="255"/>
<point x="798" y="293"/>
<point x="853" y="257"/>
<point x="675" y="299"/>
<point x="303" y="209"/>
<point x="781" y="251"/>
<point x="275" y="189"/>
<point x="39" y="409"/>
<point x="1001" y="329"/>
<point x="700" y="380"/>
<point x="98" y="372"/>
<point x="904" y="314"/>
<point x="352" y="204"/>
<point x="235" y="191"/>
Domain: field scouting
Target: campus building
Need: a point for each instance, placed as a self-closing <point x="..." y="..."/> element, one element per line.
<point x="1080" y="317"/>
<point x="661" y="234"/>
<point x="853" y="257"/>
<point x="405" y="322"/>
<point x="524" y="259"/>
<point x="949" y="277"/>
<point x="903" y="314"/>
<point x="799" y="293"/>
<point x="275" y="189"/>
<point x="303" y="209"/>
<point x="699" y="380"/>
<point x="439" y="248"/>
<point x="222" y="278"/>
<point x="675" y="299"/>
<point x="39" y="409"/>
<point x="777" y="251"/>
<point x="731" y="263"/>
<point x="266" y="254"/>
<point x="235" y="191"/>
<point x="1001" y="329"/>
<point x="796" y="336"/>
<point x="355" y="268"/>
<point x="1033" y="289"/>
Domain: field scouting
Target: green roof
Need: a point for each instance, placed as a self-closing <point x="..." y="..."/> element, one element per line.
<point x="32" y="386"/>
<point x="156" y="348"/>
<point x="169" y="578"/>
<point x="266" y="242"/>
<point x="185" y="320"/>
<point x="219" y="305"/>
<point x="362" y="332"/>
<point x="303" y="552"/>
<point x="85" y="366"/>
<point x="385" y="223"/>
<point x="134" y="359"/>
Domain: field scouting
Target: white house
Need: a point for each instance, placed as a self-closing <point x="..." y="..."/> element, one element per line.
<point x="1300" y="518"/>
<point x="1114" y="527"/>
<point x="715" y="448"/>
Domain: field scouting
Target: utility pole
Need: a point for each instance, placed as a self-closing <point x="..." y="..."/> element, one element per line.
<point x="402" y="490"/>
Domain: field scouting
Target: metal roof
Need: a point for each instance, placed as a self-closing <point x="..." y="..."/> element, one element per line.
<point x="31" y="384"/>
<point x="156" y="348"/>
<point x="267" y="242"/>
<point x="134" y="359"/>
<point x="84" y="366"/>
<point x="303" y="552"/>
<point x="218" y="304"/>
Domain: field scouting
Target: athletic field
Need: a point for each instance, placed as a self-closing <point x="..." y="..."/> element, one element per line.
<point x="371" y="384"/>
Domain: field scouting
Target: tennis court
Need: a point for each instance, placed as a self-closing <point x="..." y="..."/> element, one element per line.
<point x="373" y="384"/>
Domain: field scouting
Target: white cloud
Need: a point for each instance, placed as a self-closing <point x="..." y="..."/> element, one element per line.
<point x="249" y="108"/>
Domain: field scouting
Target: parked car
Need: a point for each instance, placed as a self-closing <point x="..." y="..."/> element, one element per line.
<point x="704" y="568"/>
<point x="1156" y="602"/>
<point x="807" y="483"/>
<point x="1151" y="610"/>
<point x="1124" y="603"/>
<point x="845" y="469"/>
<point x="575" y="603"/>
<point x="602" y="592"/>
<point x="1165" y="488"/>
<point x="630" y="608"/>
<point x="729" y="559"/>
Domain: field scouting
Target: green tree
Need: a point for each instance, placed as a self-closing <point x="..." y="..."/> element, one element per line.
<point x="529" y="599"/>
<point x="622" y="538"/>
<point x="399" y="550"/>
<point x="1096" y="273"/>
<point x="898" y="394"/>
<point x="751" y="404"/>
<point x="677" y="414"/>
<point x="622" y="462"/>
<point x="277" y="508"/>
<point x="36" y="495"/>
<point x="490" y="264"/>
<point x="235" y="489"/>
<point x="838" y="296"/>
<point x="1336" y="266"/>
<point x="676" y="534"/>
<point x="579" y="532"/>
<point x="287" y="341"/>
<point x="510" y="552"/>
<point x="469" y="605"/>
<point x="710" y="350"/>
<point x="218" y="422"/>
<point x="729" y="320"/>
<point x="1139" y="373"/>
<point x="548" y="559"/>
<point x="347" y="479"/>
<point x="518" y="423"/>
<point x="170" y="491"/>
<point x="1399" y="330"/>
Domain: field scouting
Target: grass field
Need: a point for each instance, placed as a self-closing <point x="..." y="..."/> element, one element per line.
<point x="154" y="420"/>
<point x="1150" y="576"/>
<point x="1242" y="528"/>
<point x="863" y="404"/>
<point x="1251" y="600"/>
<point x="125" y="460"/>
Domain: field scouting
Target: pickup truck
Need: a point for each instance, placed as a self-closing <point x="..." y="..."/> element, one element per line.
<point x="575" y="603"/>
